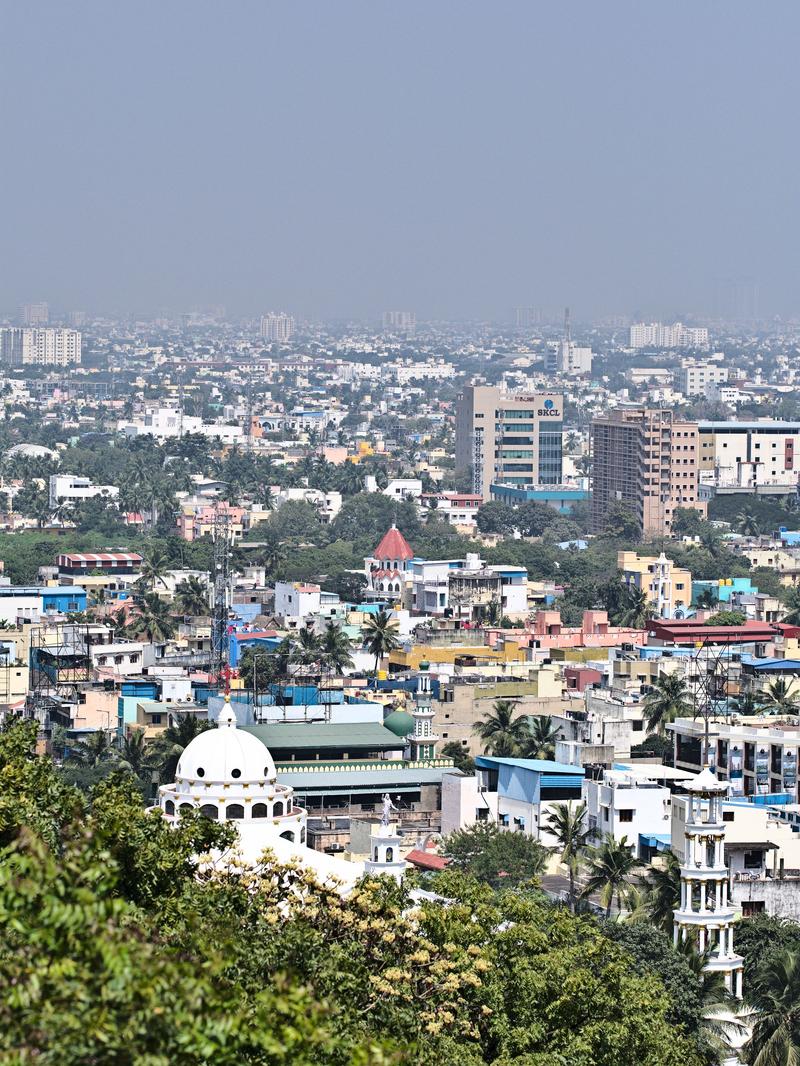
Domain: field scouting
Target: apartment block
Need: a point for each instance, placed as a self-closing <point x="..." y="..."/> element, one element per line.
<point x="668" y="587"/>
<point x="647" y="460"/>
<point x="657" y="335"/>
<point x="694" y="378"/>
<point x="277" y="327"/>
<point x="748" y="455"/>
<point x="40" y="347"/>
<point x="509" y="439"/>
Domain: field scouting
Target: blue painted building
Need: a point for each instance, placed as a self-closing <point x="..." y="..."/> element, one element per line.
<point x="521" y="791"/>
<point x="560" y="497"/>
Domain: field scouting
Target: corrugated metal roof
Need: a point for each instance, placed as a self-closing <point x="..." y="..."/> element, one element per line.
<point x="348" y="780"/>
<point x="542" y="766"/>
<point x="304" y="735"/>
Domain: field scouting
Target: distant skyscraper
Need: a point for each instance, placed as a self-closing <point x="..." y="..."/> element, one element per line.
<point x="656" y="335"/>
<point x="34" y="314"/>
<point x="399" y="321"/>
<point x="525" y="317"/>
<point x="76" y="319"/>
<point x="277" y="327"/>
<point x="40" y="347"/>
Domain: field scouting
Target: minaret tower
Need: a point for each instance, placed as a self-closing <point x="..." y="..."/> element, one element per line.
<point x="705" y="912"/>
<point x="423" y="739"/>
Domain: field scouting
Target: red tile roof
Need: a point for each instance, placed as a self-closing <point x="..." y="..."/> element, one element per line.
<point x="394" y="545"/>
<point x="426" y="860"/>
<point x="691" y="632"/>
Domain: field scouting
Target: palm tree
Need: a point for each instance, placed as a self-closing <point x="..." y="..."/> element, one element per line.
<point x="307" y="648"/>
<point x="779" y="699"/>
<point x="96" y="748"/>
<point x="542" y="736"/>
<point x="503" y="735"/>
<point x="336" y="648"/>
<point x="634" y="609"/>
<point x="746" y="703"/>
<point x="380" y="635"/>
<point x="351" y="479"/>
<point x="167" y="748"/>
<point x="707" y="600"/>
<point x="792" y="602"/>
<point x="568" y="825"/>
<point x="669" y="699"/>
<point x="774" y="994"/>
<point x="133" y="754"/>
<point x="152" y="619"/>
<point x="154" y="567"/>
<point x="609" y="867"/>
<point x="717" y="1024"/>
<point x="191" y="596"/>
<point x="662" y="890"/>
<point x="747" y="523"/>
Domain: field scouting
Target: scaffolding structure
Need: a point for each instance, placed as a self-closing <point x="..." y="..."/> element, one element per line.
<point x="60" y="662"/>
<point x="220" y="639"/>
<point x="714" y="672"/>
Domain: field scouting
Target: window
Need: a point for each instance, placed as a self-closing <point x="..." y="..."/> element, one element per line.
<point x="236" y="773"/>
<point x="278" y="809"/>
<point x="260" y="810"/>
<point x="626" y="816"/>
<point x="155" y="719"/>
<point x="169" y="807"/>
<point x="209" y="810"/>
<point x="234" y="811"/>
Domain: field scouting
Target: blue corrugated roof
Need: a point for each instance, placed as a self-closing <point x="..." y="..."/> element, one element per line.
<point x="542" y="766"/>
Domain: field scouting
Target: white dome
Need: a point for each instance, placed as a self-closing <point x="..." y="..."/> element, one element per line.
<point x="226" y="754"/>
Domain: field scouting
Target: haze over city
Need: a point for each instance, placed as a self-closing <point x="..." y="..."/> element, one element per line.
<point x="458" y="158"/>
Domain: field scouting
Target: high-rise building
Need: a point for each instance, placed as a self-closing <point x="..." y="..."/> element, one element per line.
<point x="277" y="327"/>
<point x="656" y="335"/>
<point x="40" y="347"/>
<point x="648" y="460"/>
<point x="509" y="439"/>
<point x="76" y="319"/>
<point x="34" y="314"/>
<point x="399" y="321"/>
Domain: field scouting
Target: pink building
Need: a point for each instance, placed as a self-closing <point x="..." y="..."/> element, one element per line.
<point x="549" y="632"/>
<point x="196" y="522"/>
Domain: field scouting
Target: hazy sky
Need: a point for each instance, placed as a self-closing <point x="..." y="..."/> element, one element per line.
<point x="339" y="157"/>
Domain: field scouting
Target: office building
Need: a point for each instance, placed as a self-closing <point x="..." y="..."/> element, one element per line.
<point x="399" y="321"/>
<point x="34" y="314"/>
<point x="656" y="335"/>
<point x="277" y="327"/>
<point x="40" y="347"/>
<point x="647" y="460"/>
<point x="509" y="439"/>
<point x="750" y="456"/>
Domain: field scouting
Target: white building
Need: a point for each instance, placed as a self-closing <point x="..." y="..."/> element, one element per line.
<point x="277" y="327"/>
<point x="295" y="599"/>
<point x="467" y="588"/>
<point x="40" y="347"/>
<point x="656" y="335"/>
<point x="457" y="508"/>
<point x="328" y="504"/>
<point x="399" y="488"/>
<point x="69" y="488"/>
<point x="747" y="455"/>
<point x="694" y="378"/>
<point x="630" y="803"/>
<point x="399" y="321"/>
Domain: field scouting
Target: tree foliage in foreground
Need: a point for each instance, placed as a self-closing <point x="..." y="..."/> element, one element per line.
<point x="117" y="944"/>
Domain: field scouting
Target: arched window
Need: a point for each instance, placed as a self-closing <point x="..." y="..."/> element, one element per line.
<point x="302" y="836"/>
<point x="169" y="807"/>
<point x="288" y="835"/>
<point x="184" y="807"/>
<point x="390" y="854"/>
<point x="209" y="810"/>
<point x="260" y="810"/>
<point x="278" y="809"/>
<point x="234" y="810"/>
<point x="375" y="856"/>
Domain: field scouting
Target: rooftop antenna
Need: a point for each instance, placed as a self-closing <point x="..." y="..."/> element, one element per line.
<point x="249" y="416"/>
<point x="180" y="403"/>
<point x="567" y="335"/>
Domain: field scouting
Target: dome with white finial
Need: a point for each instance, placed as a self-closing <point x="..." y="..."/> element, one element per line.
<point x="226" y="754"/>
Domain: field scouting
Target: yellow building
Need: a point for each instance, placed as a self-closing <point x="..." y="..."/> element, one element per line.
<point x="456" y="655"/>
<point x="668" y="587"/>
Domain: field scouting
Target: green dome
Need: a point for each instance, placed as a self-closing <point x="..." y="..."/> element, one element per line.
<point x="400" y="723"/>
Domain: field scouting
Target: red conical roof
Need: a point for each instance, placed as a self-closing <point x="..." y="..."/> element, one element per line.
<point x="393" y="545"/>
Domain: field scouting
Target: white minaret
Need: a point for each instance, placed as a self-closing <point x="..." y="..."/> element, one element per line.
<point x="705" y="912"/>
<point x="423" y="739"/>
<point x="384" y="846"/>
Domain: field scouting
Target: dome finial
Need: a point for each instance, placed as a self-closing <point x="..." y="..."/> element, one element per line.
<point x="227" y="718"/>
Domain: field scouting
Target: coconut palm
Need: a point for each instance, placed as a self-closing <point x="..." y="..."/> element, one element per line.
<point x="167" y="748"/>
<point x="747" y="523"/>
<point x="669" y="699"/>
<point x="351" y="479"/>
<point x="634" y="608"/>
<point x="96" y="748"/>
<point x="336" y="648"/>
<point x="152" y="619"/>
<point x="747" y="703"/>
<point x="133" y="753"/>
<point x="542" y="736"/>
<point x="662" y="890"/>
<point x="774" y="995"/>
<point x="502" y="734"/>
<point x="154" y="567"/>
<point x="609" y="867"/>
<point x="792" y="603"/>
<point x="569" y="827"/>
<point x="380" y="635"/>
<point x="191" y="596"/>
<point x="779" y="698"/>
<point x="306" y="648"/>
<point x="707" y="600"/>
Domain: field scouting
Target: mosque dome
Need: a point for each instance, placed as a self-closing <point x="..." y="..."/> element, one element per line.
<point x="400" y="723"/>
<point x="226" y="754"/>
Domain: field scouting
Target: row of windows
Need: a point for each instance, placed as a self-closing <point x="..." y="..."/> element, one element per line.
<point x="233" y="811"/>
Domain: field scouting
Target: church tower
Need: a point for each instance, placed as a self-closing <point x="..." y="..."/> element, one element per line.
<point x="423" y="740"/>
<point x="705" y="913"/>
